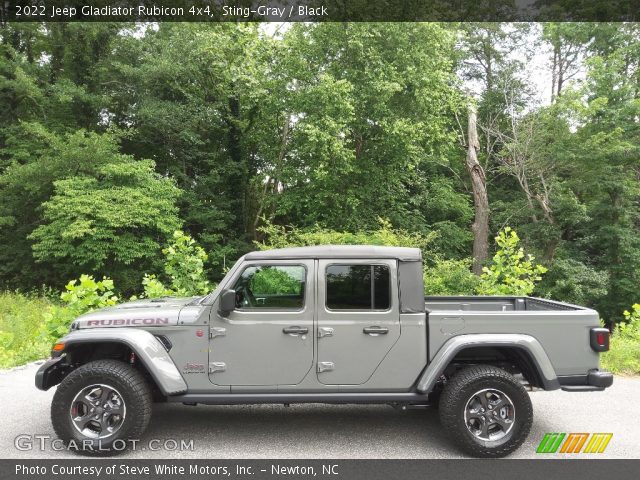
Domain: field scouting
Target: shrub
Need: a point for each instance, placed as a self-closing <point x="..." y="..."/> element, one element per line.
<point x="450" y="277"/>
<point x="630" y="328"/>
<point x="184" y="265"/>
<point x="624" y="354"/>
<point x="153" y="288"/>
<point x="80" y="296"/>
<point x="510" y="272"/>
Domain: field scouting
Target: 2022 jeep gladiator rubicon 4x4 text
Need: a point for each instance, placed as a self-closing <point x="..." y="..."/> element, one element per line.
<point x="328" y="324"/>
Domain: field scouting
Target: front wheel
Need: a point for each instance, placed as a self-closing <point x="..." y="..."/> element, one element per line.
<point x="100" y="406"/>
<point x="486" y="411"/>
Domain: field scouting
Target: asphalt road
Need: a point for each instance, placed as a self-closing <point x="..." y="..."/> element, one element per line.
<point x="321" y="431"/>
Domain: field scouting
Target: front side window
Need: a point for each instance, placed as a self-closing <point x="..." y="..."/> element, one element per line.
<point x="358" y="287"/>
<point x="271" y="286"/>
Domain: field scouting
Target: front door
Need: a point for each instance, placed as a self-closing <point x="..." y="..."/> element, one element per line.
<point x="268" y="338"/>
<point x="358" y="318"/>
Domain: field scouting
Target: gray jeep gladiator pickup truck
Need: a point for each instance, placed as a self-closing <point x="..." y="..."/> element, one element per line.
<point x="329" y="324"/>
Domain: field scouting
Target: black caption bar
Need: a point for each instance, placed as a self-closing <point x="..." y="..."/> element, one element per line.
<point x="114" y="469"/>
<point x="318" y="10"/>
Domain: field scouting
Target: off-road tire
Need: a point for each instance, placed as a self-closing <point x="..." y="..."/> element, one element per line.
<point x="128" y="382"/>
<point x="462" y="387"/>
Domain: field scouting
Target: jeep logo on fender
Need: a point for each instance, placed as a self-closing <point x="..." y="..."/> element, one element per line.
<point x="127" y="321"/>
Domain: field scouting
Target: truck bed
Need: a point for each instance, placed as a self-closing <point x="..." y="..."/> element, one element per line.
<point x="562" y="329"/>
<point x="494" y="304"/>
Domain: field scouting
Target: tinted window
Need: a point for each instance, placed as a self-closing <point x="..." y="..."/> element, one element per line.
<point x="271" y="286"/>
<point x="358" y="287"/>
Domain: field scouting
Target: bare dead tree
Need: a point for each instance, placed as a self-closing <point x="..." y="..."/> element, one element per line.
<point x="519" y="157"/>
<point x="480" y="226"/>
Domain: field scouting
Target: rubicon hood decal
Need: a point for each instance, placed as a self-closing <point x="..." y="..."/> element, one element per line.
<point x="140" y="313"/>
<point x="127" y="322"/>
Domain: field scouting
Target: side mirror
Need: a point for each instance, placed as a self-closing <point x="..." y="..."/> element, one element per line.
<point x="227" y="302"/>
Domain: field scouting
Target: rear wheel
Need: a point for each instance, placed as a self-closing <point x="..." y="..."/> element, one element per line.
<point x="100" y="406"/>
<point x="486" y="411"/>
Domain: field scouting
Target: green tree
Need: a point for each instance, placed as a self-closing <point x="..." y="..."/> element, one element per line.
<point x="52" y="83"/>
<point x="80" y="194"/>
<point x="106" y="218"/>
<point x="374" y="130"/>
<point x="205" y="109"/>
<point x="608" y="149"/>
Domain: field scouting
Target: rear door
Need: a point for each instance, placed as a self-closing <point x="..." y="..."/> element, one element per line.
<point x="358" y="318"/>
<point x="268" y="338"/>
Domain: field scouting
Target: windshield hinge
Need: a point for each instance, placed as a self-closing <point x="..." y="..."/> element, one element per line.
<point x="325" y="366"/>
<point x="217" y="332"/>
<point x="217" y="367"/>
<point x="325" y="332"/>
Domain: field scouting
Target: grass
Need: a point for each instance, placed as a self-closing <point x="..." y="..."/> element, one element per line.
<point x="21" y="329"/>
<point x="623" y="358"/>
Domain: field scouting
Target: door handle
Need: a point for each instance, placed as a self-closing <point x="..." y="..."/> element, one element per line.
<point x="295" y="330"/>
<point x="375" y="330"/>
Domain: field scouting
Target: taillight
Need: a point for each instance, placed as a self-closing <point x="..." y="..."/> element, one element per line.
<point x="599" y="339"/>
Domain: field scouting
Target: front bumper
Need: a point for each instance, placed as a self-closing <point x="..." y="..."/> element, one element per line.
<point x="51" y="373"/>
<point x="594" y="381"/>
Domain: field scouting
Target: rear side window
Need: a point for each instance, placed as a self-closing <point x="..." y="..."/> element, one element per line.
<point x="358" y="287"/>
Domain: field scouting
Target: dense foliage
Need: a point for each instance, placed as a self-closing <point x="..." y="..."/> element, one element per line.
<point x="79" y="296"/>
<point x="113" y="136"/>
<point x="183" y="260"/>
<point x="624" y="356"/>
<point x="277" y="236"/>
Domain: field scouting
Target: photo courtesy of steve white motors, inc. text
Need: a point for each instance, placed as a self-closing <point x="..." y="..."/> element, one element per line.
<point x="169" y="469"/>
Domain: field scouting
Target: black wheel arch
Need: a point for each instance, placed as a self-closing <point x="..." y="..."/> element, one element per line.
<point x="513" y="359"/>
<point x="77" y="354"/>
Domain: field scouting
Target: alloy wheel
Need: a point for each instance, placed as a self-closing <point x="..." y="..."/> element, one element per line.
<point x="489" y="414"/>
<point x="98" y="411"/>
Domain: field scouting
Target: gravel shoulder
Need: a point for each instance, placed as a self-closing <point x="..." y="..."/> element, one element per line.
<point x="323" y="431"/>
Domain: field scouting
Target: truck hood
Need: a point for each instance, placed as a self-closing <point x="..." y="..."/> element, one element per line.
<point x="139" y="313"/>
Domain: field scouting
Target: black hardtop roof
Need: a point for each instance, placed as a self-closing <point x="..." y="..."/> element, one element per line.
<point x="338" y="251"/>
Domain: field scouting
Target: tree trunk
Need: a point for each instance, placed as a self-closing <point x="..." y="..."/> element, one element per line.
<point x="239" y="171"/>
<point x="480" y="200"/>
<point x="554" y="73"/>
<point x="272" y="182"/>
